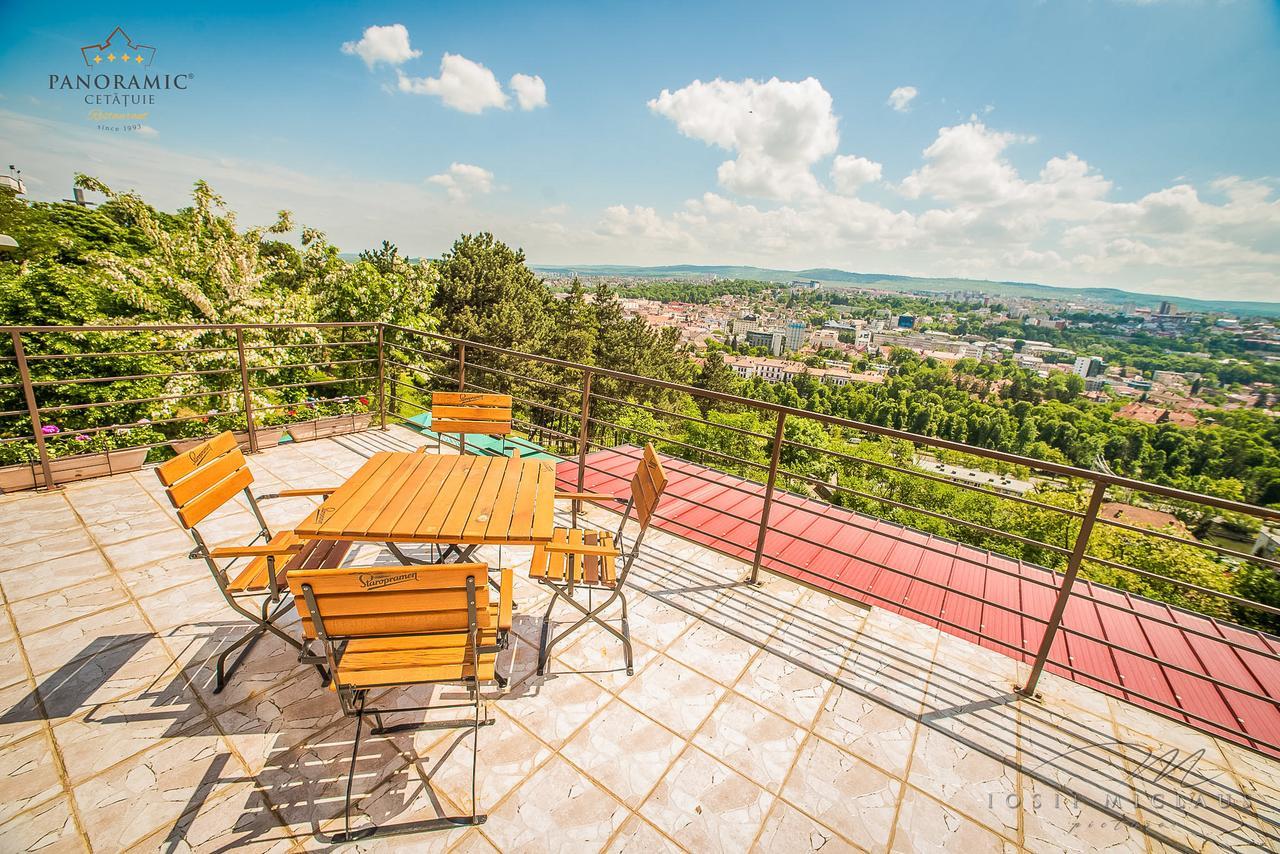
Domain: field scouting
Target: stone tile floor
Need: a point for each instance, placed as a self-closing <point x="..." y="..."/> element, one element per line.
<point x="759" y="718"/>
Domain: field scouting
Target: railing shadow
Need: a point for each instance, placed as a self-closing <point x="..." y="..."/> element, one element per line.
<point x="366" y="443"/>
<point x="1072" y="762"/>
<point x="64" y="692"/>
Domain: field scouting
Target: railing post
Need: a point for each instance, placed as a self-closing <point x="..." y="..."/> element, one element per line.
<point x="1068" y="581"/>
<point x="768" y="497"/>
<point x="382" y="382"/>
<point x="583" y="438"/>
<point x="244" y="391"/>
<point x="33" y="409"/>
<point x="462" y="366"/>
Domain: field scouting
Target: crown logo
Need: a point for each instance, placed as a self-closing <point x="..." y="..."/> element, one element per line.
<point x="118" y="47"/>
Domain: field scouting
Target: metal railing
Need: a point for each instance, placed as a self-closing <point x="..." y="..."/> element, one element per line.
<point x="564" y="403"/>
<point x="575" y="410"/>
<point x="252" y="373"/>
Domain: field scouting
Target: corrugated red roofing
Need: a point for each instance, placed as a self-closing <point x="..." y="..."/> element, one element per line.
<point x="1002" y="603"/>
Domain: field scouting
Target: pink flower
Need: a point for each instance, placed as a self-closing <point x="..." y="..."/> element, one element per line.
<point x="50" y="429"/>
<point x="82" y="438"/>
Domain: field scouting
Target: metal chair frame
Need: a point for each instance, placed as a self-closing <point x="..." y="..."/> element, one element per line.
<point x="353" y="702"/>
<point x="265" y="619"/>
<point x="592" y="614"/>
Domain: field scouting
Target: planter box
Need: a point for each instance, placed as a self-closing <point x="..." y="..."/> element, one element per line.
<point x="330" y="425"/>
<point x="68" y="469"/>
<point x="268" y="437"/>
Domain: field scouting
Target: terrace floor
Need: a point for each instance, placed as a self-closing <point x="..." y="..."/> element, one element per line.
<point x="980" y="596"/>
<point x="769" y="718"/>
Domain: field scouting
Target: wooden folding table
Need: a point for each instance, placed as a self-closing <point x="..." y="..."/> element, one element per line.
<point x="462" y="501"/>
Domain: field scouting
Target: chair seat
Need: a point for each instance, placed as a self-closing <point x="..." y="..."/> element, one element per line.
<point x="314" y="554"/>
<point x="552" y="564"/>
<point x="442" y="657"/>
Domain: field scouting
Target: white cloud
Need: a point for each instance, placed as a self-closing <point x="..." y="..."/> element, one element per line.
<point x="965" y="162"/>
<point x="147" y="131"/>
<point x="849" y="173"/>
<point x="388" y="44"/>
<point x="975" y="215"/>
<point x="463" y="180"/>
<point x="531" y="92"/>
<point x="778" y="129"/>
<point x="900" y="99"/>
<point x="463" y="84"/>
<point x="640" y="222"/>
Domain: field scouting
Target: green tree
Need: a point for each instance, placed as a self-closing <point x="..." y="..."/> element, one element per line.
<point x="486" y="293"/>
<point x="715" y="375"/>
<point x="382" y="286"/>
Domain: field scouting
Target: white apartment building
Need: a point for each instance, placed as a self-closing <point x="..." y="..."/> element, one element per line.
<point x="1087" y="366"/>
<point x="785" y="370"/>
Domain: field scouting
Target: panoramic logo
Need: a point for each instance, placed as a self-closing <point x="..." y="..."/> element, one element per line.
<point x="117" y="47"/>
<point x="120" y="87"/>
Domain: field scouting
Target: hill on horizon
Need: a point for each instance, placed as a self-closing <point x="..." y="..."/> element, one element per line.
<point x="887" y="281"/>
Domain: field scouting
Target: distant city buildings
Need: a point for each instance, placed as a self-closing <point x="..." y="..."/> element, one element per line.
<point x="1156" y="415"/>
<point x="1087" y="366"/>
<point x="976" y="477"/>
<point x="795" y="335"/>
<point x="785" y="370"/>
<point x="772" y="341"/>
<point x="777" y="325"/>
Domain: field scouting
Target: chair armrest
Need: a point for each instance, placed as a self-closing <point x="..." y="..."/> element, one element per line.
<point x="295" y="493"/>
<point x="263" y="550"/>
<point x="581" y="549"/>
<point x="585" y="496"/>
<point x="504" y="599"/>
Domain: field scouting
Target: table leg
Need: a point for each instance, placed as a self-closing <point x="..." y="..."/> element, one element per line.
<point x="406" y="559"/>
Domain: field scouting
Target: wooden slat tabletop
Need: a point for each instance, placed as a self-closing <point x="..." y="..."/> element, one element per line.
<point x="430" y="498"/>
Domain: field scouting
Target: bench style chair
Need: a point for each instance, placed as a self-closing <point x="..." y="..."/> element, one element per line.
<point x="578" y="558"/>
<point x="385" y="627"/>
<point x="205" y="478"/>
<point x="467" y="413"/>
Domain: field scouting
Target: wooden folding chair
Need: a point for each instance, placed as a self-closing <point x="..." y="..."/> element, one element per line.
<point x="470" y="414"/>
<point x="385" y="627"/>
<point x="205" y="478"/>
<point x="580" y="558"/>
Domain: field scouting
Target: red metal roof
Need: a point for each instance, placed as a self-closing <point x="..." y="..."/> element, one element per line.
<point x="970" y="592"/>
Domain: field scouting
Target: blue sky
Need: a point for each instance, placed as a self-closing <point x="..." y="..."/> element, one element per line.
<point x="1068" y="142"/>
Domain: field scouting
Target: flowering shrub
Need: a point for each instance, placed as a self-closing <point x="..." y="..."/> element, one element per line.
<point x="313" y="408"/>
<point x="274" y="417"/>
<point x="61" y="443"/>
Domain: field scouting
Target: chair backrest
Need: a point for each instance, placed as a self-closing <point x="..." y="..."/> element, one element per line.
<point x="373" y="601"/>
<point x="647" y="486"/>
<point x="201" y="480"/>
<point x="465" y="412"/>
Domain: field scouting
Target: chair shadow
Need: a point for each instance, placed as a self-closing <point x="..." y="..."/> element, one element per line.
<point x="1174" y="799"/>
<point x="64" y="692"/>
